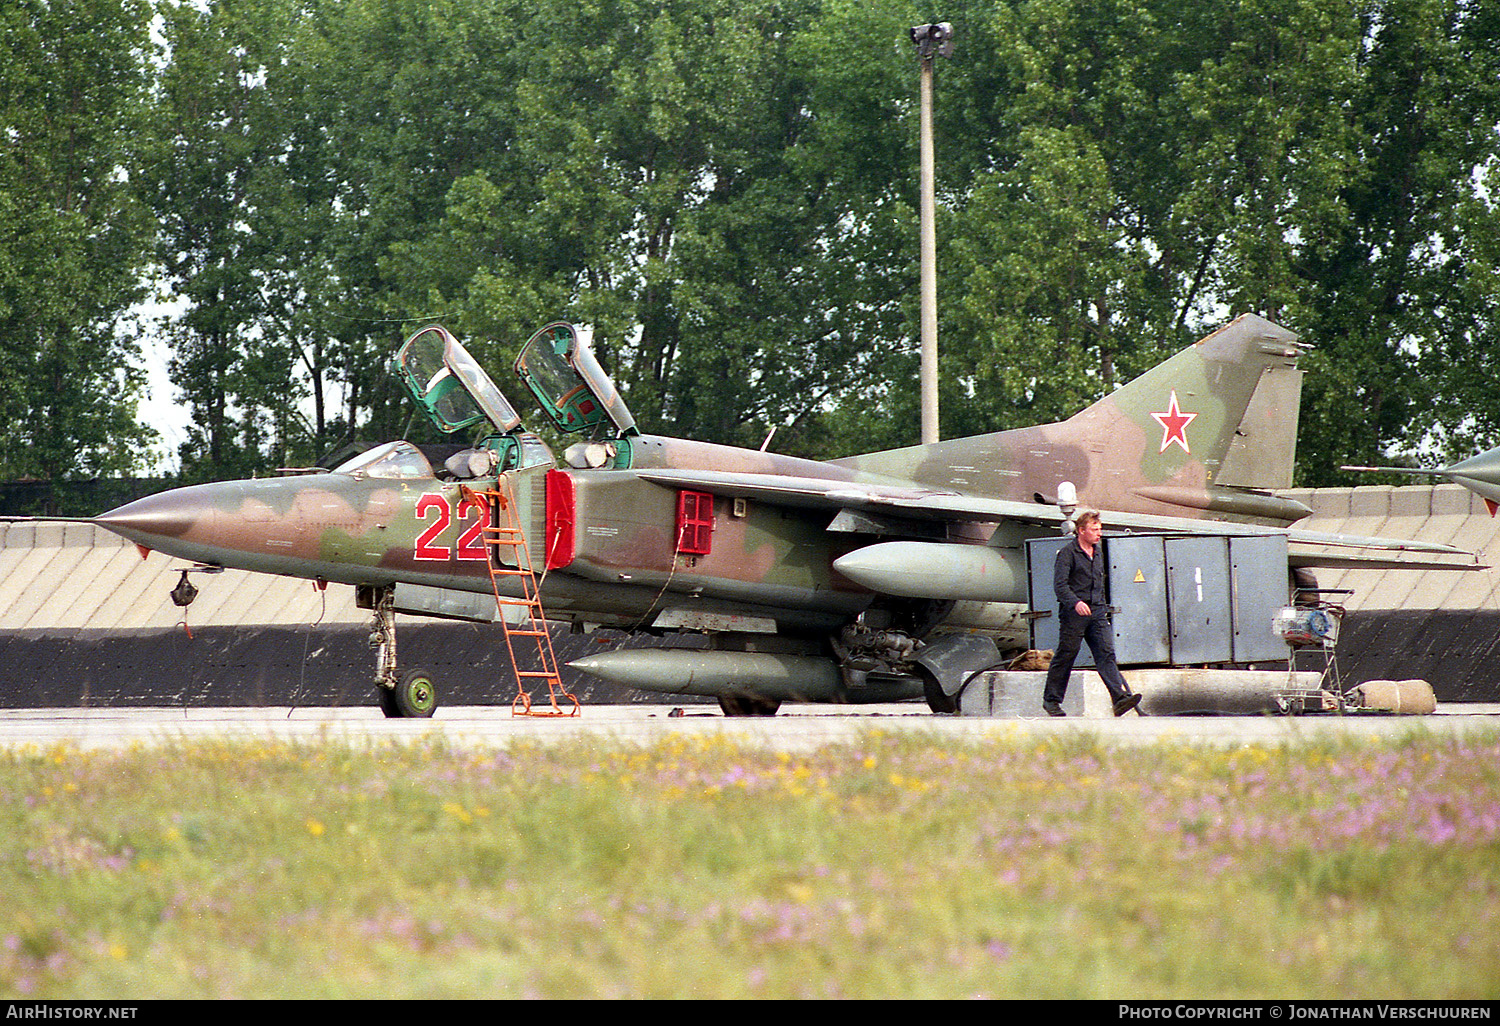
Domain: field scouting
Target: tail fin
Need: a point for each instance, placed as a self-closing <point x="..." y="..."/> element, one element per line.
<point x="1229" y="403"/>
<point x="1198" y="435"/>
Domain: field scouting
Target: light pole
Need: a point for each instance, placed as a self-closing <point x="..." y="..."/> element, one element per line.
<point x="930" y="39"/>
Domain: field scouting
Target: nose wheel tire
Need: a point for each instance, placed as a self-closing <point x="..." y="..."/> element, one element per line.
<point x="414" y="696"/>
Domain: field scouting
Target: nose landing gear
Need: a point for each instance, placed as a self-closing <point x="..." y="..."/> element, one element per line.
<point x="411" y="694"/>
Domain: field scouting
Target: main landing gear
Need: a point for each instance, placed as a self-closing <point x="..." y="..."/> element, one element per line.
<point x="748" y="705"/>
<point x="401" y="694"/>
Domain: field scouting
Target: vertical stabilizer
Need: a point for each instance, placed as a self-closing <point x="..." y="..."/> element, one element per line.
<point x="1263" y="451"/>
<point x="1223" y="411"/>
<point x="1201" y="434"/>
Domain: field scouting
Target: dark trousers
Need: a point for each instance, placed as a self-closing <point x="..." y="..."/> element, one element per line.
<point x="1073" y="630"/>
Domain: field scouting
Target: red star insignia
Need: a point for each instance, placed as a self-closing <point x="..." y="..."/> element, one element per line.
<point x="1174" y="425"/>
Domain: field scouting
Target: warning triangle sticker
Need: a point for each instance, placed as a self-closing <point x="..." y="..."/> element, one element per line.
<point x="1140" y="578"/>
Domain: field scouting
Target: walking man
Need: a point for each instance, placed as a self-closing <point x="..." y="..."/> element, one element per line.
<point x="1078" y="580"/>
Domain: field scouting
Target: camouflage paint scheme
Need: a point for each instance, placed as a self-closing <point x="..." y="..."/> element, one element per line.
<point x="1210" y="433"/>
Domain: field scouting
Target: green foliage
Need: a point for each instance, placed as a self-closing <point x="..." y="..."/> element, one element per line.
<point x="894" y="865"/>
<point x="1406" y="278"/>
<point x="222" y="159"/>
<point x="726" y="193"/>
<point x="677" y="180"/>
<point x="73" y="78"/>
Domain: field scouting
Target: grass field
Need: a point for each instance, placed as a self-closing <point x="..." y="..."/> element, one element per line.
<point x="893" y="867"/>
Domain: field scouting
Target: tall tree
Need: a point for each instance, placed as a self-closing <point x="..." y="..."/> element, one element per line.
<point x="1144" y="172"/>
<point x="220" y="152"/>
<point x="73" y="241"/>
<point x="725" y="192"/>
<point x="690" y="180"/>
<point x="1402" y="294"/>
<point x="419" y="105"/>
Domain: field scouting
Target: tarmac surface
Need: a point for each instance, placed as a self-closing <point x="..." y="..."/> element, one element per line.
<point x="795" y="729"/>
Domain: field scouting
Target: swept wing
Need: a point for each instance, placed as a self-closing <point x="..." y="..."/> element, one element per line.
<point x="1306" y="548"/>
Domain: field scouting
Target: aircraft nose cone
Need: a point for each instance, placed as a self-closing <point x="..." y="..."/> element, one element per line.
<point x="168" y="514"/>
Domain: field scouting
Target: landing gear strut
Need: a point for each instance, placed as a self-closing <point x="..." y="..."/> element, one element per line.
<point x="409" y="694"/>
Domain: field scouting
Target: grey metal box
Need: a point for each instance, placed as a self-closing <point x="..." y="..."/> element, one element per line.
<point x="1260" y="587"/>
<point x="1198" y="600"/>
<point x="1138" y="599"/>
<point x="1177" y="600"/>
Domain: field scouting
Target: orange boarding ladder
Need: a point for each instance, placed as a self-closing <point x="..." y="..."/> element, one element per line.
<point x="503" y="533"/>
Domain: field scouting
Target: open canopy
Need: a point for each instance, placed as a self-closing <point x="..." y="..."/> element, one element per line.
<point x="569" y="384"/>
<point x="450" y="385"/>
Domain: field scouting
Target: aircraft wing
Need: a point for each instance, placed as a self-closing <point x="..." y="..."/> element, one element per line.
<point x="1305" y="548"/>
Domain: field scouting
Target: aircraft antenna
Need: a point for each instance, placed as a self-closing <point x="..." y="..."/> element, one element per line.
<point x="505" y="539"/>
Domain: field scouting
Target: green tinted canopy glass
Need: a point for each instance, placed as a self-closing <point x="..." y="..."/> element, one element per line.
<point x="568" y="382"/>
<point x="450" y="385"/>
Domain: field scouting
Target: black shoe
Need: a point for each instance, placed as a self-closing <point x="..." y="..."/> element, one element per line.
<point x="1126" y="704"/>
<point x="1053" y="709"/>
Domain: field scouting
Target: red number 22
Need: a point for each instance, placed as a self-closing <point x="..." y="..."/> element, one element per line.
<point x="470" y="545"/>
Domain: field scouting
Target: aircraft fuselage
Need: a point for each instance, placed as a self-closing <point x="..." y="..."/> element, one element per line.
<point x="609" y="542"/>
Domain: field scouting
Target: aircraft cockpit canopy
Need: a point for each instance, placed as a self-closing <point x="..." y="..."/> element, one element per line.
<point x="569" y="384"/>
<point x="398" y="461"/>
<point x="450" y="385"/>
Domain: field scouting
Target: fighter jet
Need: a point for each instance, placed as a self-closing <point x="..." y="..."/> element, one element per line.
<point x="1479" y="474"/>
<point x="881" y="577"/>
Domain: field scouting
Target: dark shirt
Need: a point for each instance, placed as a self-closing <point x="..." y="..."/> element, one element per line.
<point x="1076" y="577"/>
